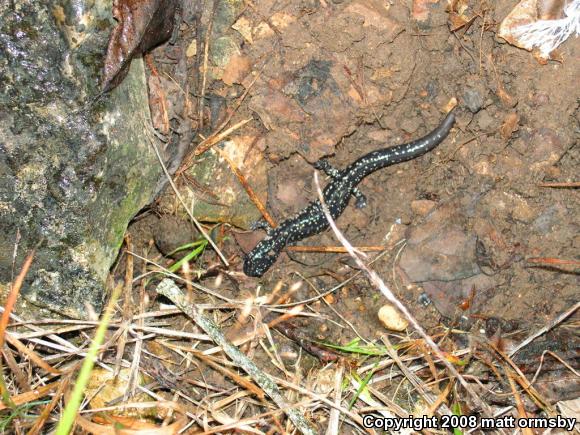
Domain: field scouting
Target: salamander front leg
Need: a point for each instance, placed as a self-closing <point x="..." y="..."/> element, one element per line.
<point x="332" y="172"/>
<point x="361" y="200"/>
<point x="261" y="225"/>
<point x="327" y="168"/>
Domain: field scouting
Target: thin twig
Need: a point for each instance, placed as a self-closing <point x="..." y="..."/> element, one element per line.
<point x="168" y="289"/>
<point x="545" y="329"/>
<point x="378" y="282"/>
<point x="206" y="144"/>
<point x="127" y="306"/>
<point x="137" y="350"/>
<point x="203" y="146"/>
<point x="198" y="286"/>
<point x="180" y="198"/>
<point x="205" y="61"/>
<point x="369" y="400"/>
<point x="242" y="179"/>
<point x="5" y="318"/>
<point x="426" y="393"/>
<point x="553" y="261"/>
<point x="334" y="418"/>
<point x="334" y="249"/>
<point x="560" y="184"/>
<point x="322" y="398"/>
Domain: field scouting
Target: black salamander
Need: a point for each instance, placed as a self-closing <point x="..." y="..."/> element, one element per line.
<point x="311" y="220"/>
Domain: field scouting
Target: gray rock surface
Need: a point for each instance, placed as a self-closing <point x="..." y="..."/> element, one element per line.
<point x="72" y="173"/>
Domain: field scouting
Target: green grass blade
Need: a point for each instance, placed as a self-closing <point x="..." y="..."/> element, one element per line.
<point x="361" y="388"/>
<point x="70" y="411"/>
<point x="193" y="254"/>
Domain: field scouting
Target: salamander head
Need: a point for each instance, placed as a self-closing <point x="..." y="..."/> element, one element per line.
<point x="264" y="254"/>
<point x="256" y="265"/>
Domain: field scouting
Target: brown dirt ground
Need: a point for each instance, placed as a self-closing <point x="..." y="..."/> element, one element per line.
<point x="460" y="224"/>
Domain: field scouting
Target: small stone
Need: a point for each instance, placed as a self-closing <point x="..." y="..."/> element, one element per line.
<point x="405" y="218"/>
<point x="522" y="210"/>
<point x="539" y="98"/>
<point x="547" y="148"/>
<point x="329" y="299"/>
<point x="510" y="124"/>
<point x="485" y="120"/>
<point x="391" y="319"/>
<point x="544" y="223"/>
<point x="439" y="250"/>
<point x="287" y="353"/>
<point x="171" y="233"/>
<point x="422" y="207"/>
<point x="473" y="100"/>
<point x="411" y="125"/>
<point x="483" y="167"/>
<point x="432" y="89"/>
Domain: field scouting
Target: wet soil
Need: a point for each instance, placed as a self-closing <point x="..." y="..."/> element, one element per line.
<point x="460" y="227"/>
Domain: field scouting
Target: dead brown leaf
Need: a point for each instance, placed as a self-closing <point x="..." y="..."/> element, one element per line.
<point x="505" y="98"/>
<point x="158" y="104"/>
<point x="510" y="124"/>
<point x="458" y="18"/>
<point x="142" y="25"/>
<point x="550" y="9"/>
<point x="420" y="11"/>
<point x="459" y="21"/>
<point x="236" y="70"/>
<point x="547" y="27"/>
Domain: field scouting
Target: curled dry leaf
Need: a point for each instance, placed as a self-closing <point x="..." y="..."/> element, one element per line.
<point x="459" y="21"/>
<point x="421" y="8"/>
<point x="458" y="17"/>
<point x="244" y="28"/>
<point x="142" y="25"/>
<point x="510" y="124"/>
<point x="541" y="25"/>
<point x="104" y="424"/>
<point x="505" y="98"/>
<point x="551" y="9"/>
<point x="451" y="104"/>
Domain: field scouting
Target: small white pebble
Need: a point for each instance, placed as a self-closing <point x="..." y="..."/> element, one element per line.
<point x="391" y="319"/>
